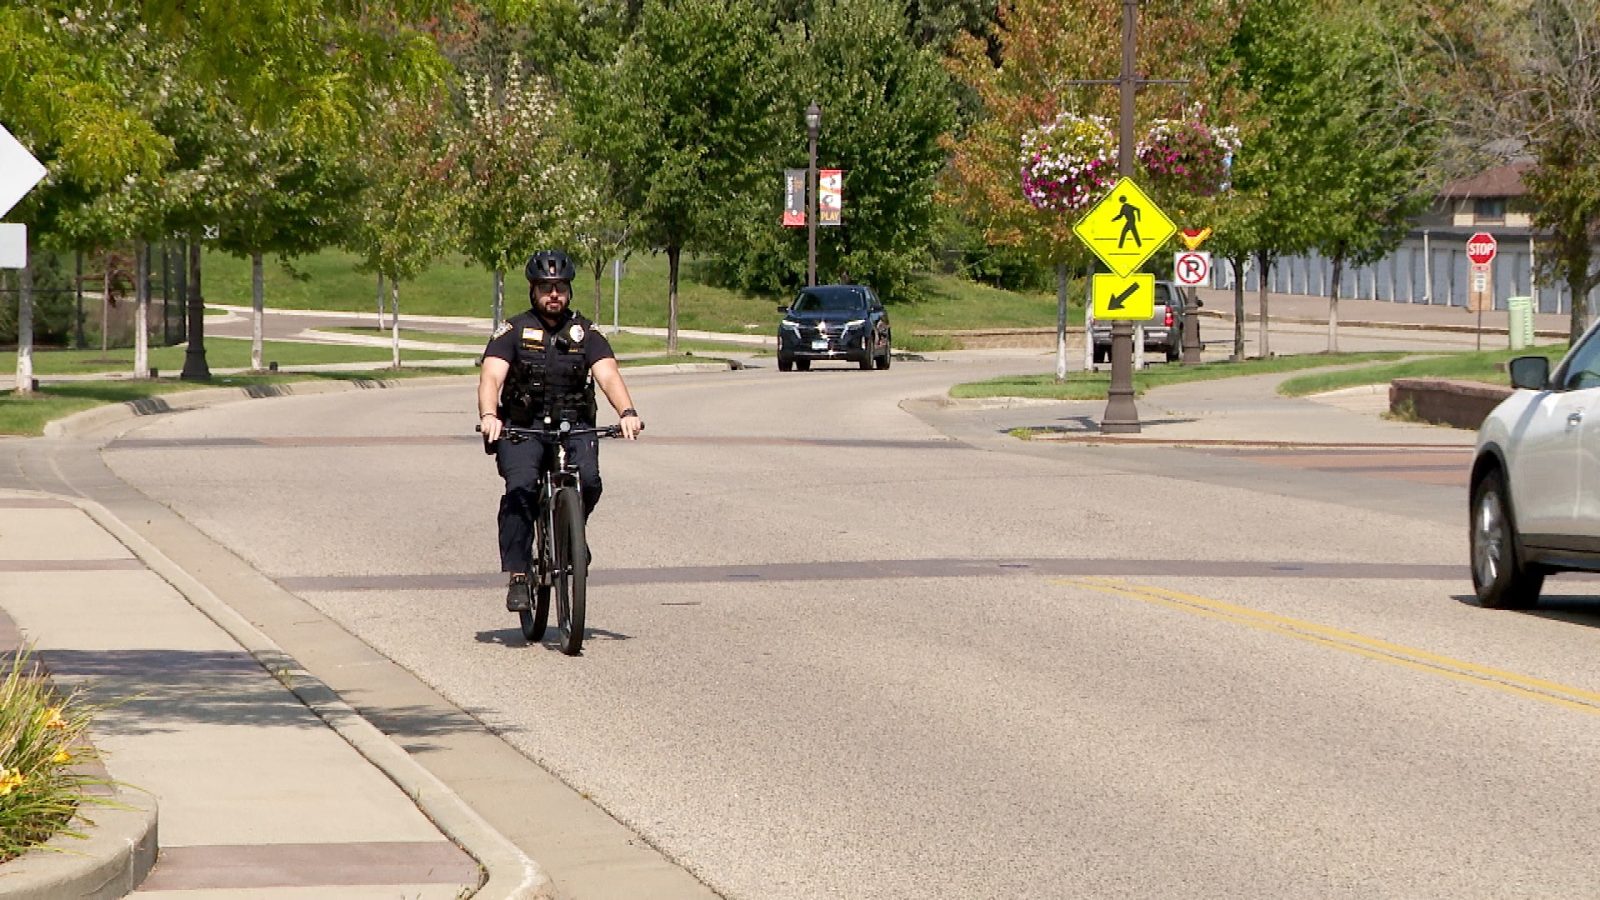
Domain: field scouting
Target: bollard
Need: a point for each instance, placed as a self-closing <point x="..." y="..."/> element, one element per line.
<point x="272" y="366"/>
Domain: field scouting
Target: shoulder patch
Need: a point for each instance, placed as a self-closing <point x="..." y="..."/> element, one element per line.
<point x="505" y="328"/>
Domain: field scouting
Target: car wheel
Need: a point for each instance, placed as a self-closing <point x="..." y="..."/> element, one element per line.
<point x="785" y="364"/>
<point x="886" y="358"/>
<point x="1102" y="355"/>
<point x="1501" y="580"/>
<point x="1173" y="353"/>
<point x="802" y="365"/>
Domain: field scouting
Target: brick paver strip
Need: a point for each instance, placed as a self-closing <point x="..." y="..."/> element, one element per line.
<point x="69" y="565"/>
<point x="241" y="867"/>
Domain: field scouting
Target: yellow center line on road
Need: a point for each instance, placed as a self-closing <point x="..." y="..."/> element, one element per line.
<point x="1350" y="642"/>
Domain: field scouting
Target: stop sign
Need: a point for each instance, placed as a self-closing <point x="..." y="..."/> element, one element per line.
<point x="1480" y="248"/>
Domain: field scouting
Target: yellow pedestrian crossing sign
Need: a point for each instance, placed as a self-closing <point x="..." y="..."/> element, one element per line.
<point x="1116" y="297"/>
<point x="1125" y="228"/>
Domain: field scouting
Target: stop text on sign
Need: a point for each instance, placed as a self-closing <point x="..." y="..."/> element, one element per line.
<point x="1481" y="248"/>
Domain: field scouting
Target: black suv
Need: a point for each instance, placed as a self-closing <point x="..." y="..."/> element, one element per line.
<point x="834" y="321"/>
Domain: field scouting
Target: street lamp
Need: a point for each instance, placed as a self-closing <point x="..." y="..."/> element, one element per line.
<point x="813" y="123"/>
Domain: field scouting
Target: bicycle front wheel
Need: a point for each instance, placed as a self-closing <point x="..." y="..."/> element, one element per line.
<point x="572" y="570"/>
<point x="533" y="620"/>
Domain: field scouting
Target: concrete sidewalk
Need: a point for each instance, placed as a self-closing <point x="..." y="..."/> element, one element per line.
<point x="262" y="780"/>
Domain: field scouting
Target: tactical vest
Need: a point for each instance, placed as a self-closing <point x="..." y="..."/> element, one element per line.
<point x="549" y="378"/>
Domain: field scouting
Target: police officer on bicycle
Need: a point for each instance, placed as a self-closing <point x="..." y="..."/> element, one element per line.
<point x="543" y="364"/>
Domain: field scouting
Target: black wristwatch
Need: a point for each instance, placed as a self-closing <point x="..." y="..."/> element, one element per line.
<point x="630" y="411"/>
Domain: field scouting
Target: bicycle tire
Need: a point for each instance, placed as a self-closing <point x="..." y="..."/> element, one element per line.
<point x="572" y="570"/>
<point x="535" y="621"/>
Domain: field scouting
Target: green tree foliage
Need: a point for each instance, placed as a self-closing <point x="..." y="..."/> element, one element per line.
<point x="1523" y="76"/>
<point x="406" y="215"/>
<point x="683" y="119"/>
<point x="523" y="186"/>
<point x="886" y="104"/>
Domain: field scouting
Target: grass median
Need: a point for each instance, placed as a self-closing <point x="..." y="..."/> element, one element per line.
<point x="27" y="415"/>
<point x="1085" y="385"/>
<point x="221" y="353"/>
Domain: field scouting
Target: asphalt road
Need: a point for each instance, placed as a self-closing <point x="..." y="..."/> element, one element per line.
<point x="841" y="650"/>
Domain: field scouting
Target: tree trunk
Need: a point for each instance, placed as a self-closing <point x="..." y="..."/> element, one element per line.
<point x="25" y="324"/>
<point x="258" y="310"/>
<point x="380" y="301"/>
<point x="1263" y="266"/>
<point x="194" y="357"/>
<point x="1238" y="306"/>
<point x="599" y="270"/>
<point x="78" y="341"/>
<point x="673" y="251"/>
<point x="499" y="297"/>
<point x="1578" y="287"/>
<point x="105" y="306"/>
<point x="1061" y="323"/>
<point x="394" y="318"/>
<point x="1333" y="303"/>
<point x="141" y="311"/>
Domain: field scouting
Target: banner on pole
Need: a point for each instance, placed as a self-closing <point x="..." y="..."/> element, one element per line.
<point x="794" y="198"/>
<point x="830" y="196"/>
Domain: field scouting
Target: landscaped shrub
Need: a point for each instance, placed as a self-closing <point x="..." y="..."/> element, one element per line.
<point x="43" y="784"/>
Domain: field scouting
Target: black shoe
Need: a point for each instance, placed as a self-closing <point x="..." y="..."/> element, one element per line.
<point x="518" y="598"/>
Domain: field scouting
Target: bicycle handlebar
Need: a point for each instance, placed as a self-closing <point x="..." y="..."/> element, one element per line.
<point x="518" y="435"/>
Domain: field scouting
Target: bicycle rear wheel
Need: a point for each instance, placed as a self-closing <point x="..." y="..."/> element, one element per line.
<point x="572" y="570"/>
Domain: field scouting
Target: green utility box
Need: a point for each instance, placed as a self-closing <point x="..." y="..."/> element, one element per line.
<point x="1520" y="310"/>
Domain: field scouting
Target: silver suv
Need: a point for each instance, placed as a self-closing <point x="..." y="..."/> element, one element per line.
<point x="1535" y="505"/>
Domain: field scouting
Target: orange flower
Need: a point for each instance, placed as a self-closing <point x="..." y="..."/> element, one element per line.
<point x="51" y="718"/>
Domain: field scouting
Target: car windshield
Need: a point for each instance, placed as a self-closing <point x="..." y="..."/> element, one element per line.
<point x="830" y="301"/>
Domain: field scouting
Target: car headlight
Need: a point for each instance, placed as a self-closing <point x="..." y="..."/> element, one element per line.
<point x="854" y="323"/>
<point x="792" y="326"/>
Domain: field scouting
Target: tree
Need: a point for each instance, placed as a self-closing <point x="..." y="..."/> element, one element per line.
<point x="887" y="104"/>
<point x="1044" y="46"/>
<point x="406" y="215"/>
<point x="684" y="118"/>
<point x="65" y="96"/>
<point x="1524" y="76"/>
<point x="1366" y="155"/>
<point x="523" y="188"/>
<point x="280" y="195"/>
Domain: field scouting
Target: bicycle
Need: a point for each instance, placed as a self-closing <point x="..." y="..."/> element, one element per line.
<point x="561" y="552"/>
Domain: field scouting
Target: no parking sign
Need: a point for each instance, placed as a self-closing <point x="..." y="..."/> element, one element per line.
<point x="1191" y="268"/>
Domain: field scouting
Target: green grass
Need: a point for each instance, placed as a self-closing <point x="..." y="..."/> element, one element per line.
<point x="450" y="287"/>
<point x="1093" y="385"/>
<point x="28" y="415"/>
<point x="221" y="353"/>
<point x="1487" y="366"/>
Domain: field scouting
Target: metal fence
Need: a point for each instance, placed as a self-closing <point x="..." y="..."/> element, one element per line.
<point x="1429" y="267"/>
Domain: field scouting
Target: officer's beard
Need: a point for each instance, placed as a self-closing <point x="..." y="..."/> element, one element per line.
<point x="551" y="308"/>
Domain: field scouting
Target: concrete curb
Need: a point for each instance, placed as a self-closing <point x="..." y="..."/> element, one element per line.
<point x="118" y="851"/>
<point x="508" y="871"/>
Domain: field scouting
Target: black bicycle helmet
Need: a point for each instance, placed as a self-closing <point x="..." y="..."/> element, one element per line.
<point x="550" y="265"/>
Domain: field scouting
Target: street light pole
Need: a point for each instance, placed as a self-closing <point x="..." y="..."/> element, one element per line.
<point x="1121" y="415"/>
<point x="813" y="124"/>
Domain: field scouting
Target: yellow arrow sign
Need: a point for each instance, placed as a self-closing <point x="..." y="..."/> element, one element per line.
<point x="1124" y="228"/>
<point x="1116" y="297"/>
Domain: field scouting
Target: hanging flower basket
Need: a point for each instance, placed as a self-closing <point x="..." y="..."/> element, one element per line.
<point x="1068" y="163"/>
<point x="1187" y="155"/>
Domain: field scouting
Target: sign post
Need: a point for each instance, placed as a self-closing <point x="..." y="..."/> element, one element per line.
<point x="1481" y="248"/>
